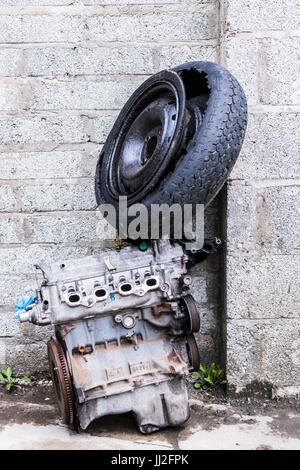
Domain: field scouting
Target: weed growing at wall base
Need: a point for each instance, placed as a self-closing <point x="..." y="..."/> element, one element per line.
<point x="209" y="377"/>
<point x="7" y="379"/>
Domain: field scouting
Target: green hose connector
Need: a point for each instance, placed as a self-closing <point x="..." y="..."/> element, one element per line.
<point x="143" y="246"/>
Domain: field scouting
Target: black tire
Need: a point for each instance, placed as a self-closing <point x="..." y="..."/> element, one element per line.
<point x="207" y="140"/>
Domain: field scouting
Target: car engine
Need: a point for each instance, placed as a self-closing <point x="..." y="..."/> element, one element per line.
<point x="124" y="324"/>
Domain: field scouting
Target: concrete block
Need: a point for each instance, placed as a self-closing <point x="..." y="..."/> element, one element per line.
<point x="262" y="288"/>
<point x="263" y="351"/>
<point x="278" y="71"/>
<point x="8" y="199"/>
<point x="2" y="353"/>
<point x="63" y="196"/>
<point x="31" y="333"/>
<point x="11" y="94"/>
<point x="258" y="15"/>
<point x="9" y="327"/>
<point x="270" y="149"/>
<point x="103" y="125"/>
<point x="209" y="321"/>
<point x="265" y="67"/>
<point x="207" y="348"/>
<point x="54" y="227"/>
<point x="27" y="358"/>
<point x="175" y="24"/>
<point x="102" y="60"/>
<point x="99" y="93"/>
<point x="11" y="228"/>
<point x="11" y="62"/>
<point x="12" y="287"/>
<point x="105" y="60"/>
<point x="242" y="61"/>
<point x="262" y="219"/>
<point x="39" y="28"/>
<point x="57" y="164"/>
<point x="205" y="285"/>
<point x="199" y="289"/>
<point x="32" y="129"/>
<point x="22" y="333"/>
<point x="21" y="260"/>
<point x="170" y="56"/>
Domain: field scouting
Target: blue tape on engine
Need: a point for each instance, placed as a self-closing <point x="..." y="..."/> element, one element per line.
<point x="22" y="304"/>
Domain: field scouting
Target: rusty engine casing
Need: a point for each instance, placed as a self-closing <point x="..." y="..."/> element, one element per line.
<point x="124" y="324"/>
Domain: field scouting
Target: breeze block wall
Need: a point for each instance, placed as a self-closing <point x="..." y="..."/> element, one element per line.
<point x="66" y="69"/>
<point x="259" y="43"/>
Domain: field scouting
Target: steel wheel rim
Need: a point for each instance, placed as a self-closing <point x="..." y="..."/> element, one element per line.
<point x="161" y="110"/>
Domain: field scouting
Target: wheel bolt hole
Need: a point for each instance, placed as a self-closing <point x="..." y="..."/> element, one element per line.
<point x="151" y="143"/>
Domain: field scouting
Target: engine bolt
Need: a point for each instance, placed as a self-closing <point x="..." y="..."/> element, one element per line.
<point x="187" y="280"/>
<point x="118" y="318"/>
<point x="128" y="321"/>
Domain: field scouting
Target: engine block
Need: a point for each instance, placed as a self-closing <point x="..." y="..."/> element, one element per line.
<point x="124" y="323"/>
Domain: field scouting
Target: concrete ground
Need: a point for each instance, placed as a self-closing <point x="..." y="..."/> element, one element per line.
<point x="29" y="420"/>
